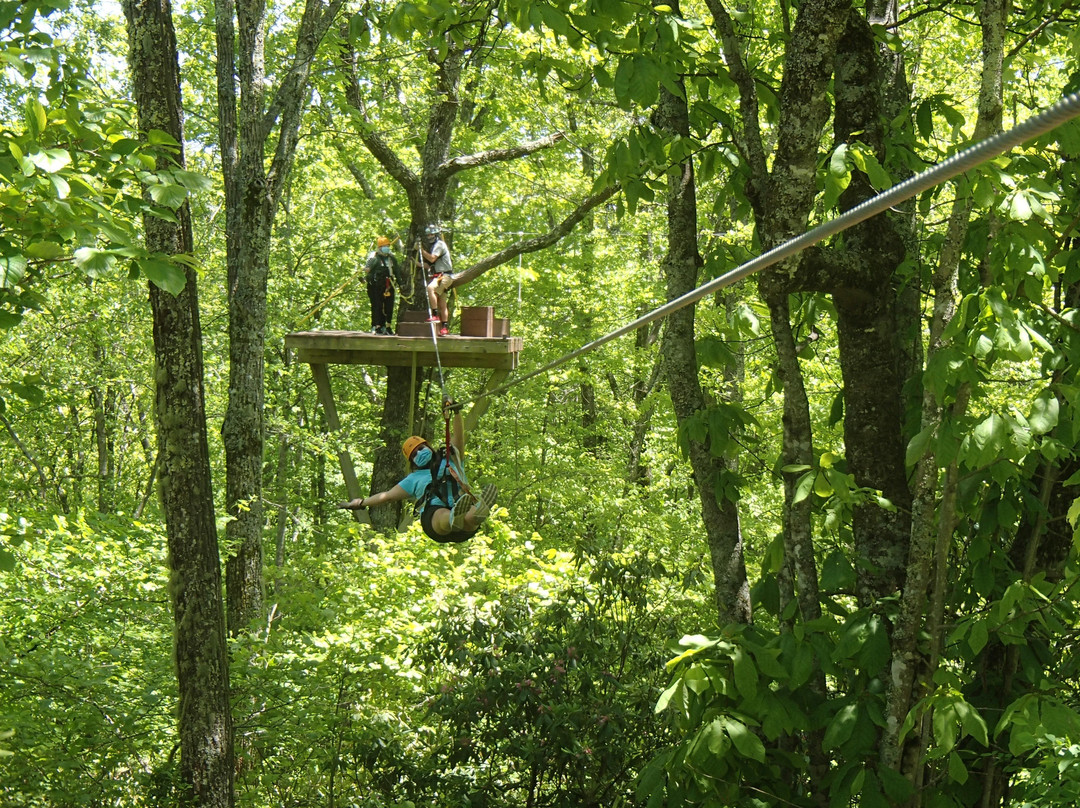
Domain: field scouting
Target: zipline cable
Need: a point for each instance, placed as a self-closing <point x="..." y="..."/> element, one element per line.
<point x="1064" y="110"/>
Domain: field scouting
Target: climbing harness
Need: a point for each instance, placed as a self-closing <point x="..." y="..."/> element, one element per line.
<point x="446" y="483"/>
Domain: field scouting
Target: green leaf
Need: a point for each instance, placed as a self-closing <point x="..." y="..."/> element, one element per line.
<point x="192" y="181"/>
<point x="841" y="726"/>
<point x="665" y="698"/>
<point x="1019" y="207"/>
<point x="822" y="486"/>
<point x="957" y="770"/>
<point x="944" y="723"/>
<point x="646" y="81"/>
<point x="746" y="675"/>
<point x="12" y="270"/>
<point x="7" y="561"/>
<point x="746" y="743"/>
<point x="804" y="486"/>
<point x="924" y="119"/>
<point x="94" y="262"/>
<point x="158" y="137"/>
<point x="168" y="194"/>
<point x="45" y="250"/>
<point x="838" y="163"/>
<point x="624" y="77"/>
<point x="50" y="160"/>
<point x="837" y="574"/>
<point x="163" y="274"/>
<point x="972" y="722"/>
<point x="978" y="636"/>
<point x="1043" y="415"/>
<point x="36" y="119"/>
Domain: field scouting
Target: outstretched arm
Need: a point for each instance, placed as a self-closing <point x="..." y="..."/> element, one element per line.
<point x="395" y="494"/>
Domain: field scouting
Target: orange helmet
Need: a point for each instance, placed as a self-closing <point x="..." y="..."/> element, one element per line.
<point x="411" y="444"/>
<point x="382" y="241"/>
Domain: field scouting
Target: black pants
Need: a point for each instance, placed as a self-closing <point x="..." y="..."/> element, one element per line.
<point x="381" y="294"/>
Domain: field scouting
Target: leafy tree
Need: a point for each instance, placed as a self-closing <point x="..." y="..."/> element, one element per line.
<point x="254" y="182"/>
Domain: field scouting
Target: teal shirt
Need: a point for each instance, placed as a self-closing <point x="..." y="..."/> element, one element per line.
<point x="417" y="482"/>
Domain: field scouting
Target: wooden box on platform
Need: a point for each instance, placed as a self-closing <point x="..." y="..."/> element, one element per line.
<point x="413" y="324"/>
<point x="476" y="321"/>
<point x="500" y="327"/>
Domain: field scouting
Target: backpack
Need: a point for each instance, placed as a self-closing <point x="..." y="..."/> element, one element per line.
<point x="445" y="486"/>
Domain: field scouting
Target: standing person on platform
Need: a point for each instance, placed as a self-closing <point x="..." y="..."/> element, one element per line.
<point x="382" y="271"/>
<point x="434" y="257"/>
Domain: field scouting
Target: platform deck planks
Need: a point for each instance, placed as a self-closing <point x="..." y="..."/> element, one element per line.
<point x="361" y="348"/>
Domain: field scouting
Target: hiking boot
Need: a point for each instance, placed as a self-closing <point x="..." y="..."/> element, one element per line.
<point x="487" y="500"/>
<point x="461" y="507"/>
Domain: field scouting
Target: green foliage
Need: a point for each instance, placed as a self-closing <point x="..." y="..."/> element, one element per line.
<point x="70" y="170"/>
<point x="547" y="701"/>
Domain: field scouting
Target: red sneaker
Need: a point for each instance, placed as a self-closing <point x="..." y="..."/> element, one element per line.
<point x="444" y="331"/>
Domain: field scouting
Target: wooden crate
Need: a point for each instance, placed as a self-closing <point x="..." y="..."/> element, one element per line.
<point x="476" y="321"/>
<point x="500" y="327"/>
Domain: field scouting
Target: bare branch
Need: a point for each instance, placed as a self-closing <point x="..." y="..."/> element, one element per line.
<point x="539" y="242"/>
<point x="290" y="98"/>
<point x="749" y="140"/>
<point x="451" y="167"/>
<point x="42" y="482"/>
<point x="379" y="148"/>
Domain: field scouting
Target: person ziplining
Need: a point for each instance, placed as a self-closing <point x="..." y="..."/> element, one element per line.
<point x="437" y="484"/>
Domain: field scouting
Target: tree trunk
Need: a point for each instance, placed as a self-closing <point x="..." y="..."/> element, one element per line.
<point x="252" y="194"/>
<point x="680" y="265"/>
<point x="926" y="533"/>
<point x="202" y="667"/>
<point x="870" y="355"/>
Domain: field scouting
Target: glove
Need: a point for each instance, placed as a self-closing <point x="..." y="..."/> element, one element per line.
<point x="352" y="504"/>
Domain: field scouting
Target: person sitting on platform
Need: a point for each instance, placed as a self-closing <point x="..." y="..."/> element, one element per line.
<point x="435" y="261"/>
<point x="382" y="271"/>
<point x="449" y="512"/>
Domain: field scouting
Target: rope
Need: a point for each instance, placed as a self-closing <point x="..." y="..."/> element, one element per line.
<point x="1064" y="110"/>
<point x="431" y="322"/>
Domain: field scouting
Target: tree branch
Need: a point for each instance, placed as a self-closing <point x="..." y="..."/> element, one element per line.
<point x="451" y="167"/>
<point x="539" y="242"/>
<point x="289" y="101"/>
<point x="749" y="139"/>
<point x="379" y="148"/>
<point x="44" y="484"/>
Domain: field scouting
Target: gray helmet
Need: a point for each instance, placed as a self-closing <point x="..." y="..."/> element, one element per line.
<point x="432" y="230"/>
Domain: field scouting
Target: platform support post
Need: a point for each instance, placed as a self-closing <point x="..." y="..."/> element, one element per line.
<point x="326" y="398"/>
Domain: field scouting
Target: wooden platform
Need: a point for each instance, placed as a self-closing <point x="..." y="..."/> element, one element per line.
<point x="360" y="348"/>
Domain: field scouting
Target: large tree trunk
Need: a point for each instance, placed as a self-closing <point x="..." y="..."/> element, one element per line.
<point x="680" y="265"/>
<point x="930" y="531"/>
<point x="870" y="356"/>
<point x="252" y="194"/>
<point x="202" y="668"/>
